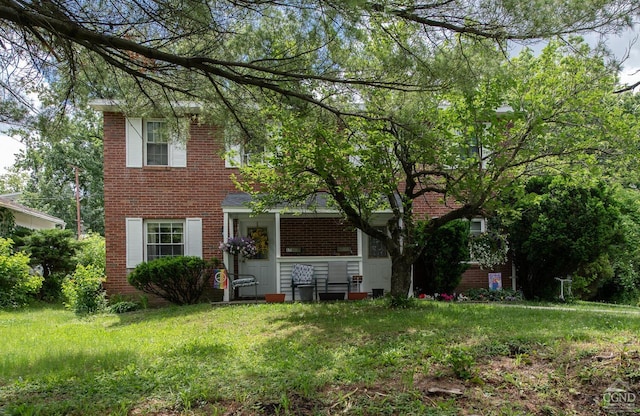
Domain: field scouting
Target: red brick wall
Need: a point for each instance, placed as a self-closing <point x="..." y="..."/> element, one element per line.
<point x="161" y="193"/>
<point x="475" y="277"/>
<point x="197" y="190"/>
<point x="432" y="205"/>
<point x="317" y="236"/>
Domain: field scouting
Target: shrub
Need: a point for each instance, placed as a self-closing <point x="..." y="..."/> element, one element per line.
<point x="119" y="303"/>
<point x="123" y="306"/>
<point x="400" y="302"/>
<point x="483" y="295"/>
<point x="180" y="280"/>
<point x="55" y="251"/>
<point x="92" y="251"/>
<point x="563" y="228"/>
<point x="445" y="256"/>
<point x="83" y="290"/>
<point x="16" y="283"/>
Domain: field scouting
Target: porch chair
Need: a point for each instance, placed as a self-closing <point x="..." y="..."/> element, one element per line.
<point x="302" y="276"/>
<point x="243" y="280"/>
<point x="338" y="275"/>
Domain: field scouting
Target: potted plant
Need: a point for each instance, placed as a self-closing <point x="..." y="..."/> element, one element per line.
<point x="358" y="295"/>
<point x="331" y="296"/>
<point x="274" y="297"/>
<point x="357" y="281"/>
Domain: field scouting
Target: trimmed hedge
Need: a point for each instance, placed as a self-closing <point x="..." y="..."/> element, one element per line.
<point x="180" y="280"/>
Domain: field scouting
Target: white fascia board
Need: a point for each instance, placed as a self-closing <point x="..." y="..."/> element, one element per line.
<point x="118" y="106"/>
<point x="504" y="109"/>
<point x="293" y="212"/>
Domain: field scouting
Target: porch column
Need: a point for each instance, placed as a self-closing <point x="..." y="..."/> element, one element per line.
<point x="277" y="242"/>
<point x="360" y="251"/>
<point x="225" y="255"/>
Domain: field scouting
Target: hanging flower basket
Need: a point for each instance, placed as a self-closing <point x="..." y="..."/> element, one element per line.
<point x="240" y="246"/>
<point x="489" y="249"/>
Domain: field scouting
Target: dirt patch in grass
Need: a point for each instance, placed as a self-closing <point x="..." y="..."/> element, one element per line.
<point x="535" y="383"/>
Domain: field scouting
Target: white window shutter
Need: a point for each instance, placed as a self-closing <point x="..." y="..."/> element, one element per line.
<point x="486" y="154"/>
<point x="135" y="242"/>
<point x="178" y="154"/>
<point x="134" y="142"/>
<point x="193" y="237"/>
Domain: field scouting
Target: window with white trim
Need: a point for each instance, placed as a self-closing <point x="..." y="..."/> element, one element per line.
<point x="377" y="248"/>
<point x="240" y="155"/>
<point x="164" y="239"/>
<point x="151" y="142"/>
<point x="477" y="226"/>
<point x="156" y="143"/>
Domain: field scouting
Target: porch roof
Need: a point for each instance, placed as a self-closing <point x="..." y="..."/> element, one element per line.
<point x="238" y="202"/>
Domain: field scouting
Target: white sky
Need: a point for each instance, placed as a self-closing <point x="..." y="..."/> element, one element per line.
<point x="9" y="147"/>
<point x="621" y="46"/>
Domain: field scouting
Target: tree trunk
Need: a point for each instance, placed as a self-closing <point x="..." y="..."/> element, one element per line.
<point x="401" y="275"/>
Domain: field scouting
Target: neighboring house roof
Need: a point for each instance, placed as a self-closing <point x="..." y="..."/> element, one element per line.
<point x="29" y="217"/>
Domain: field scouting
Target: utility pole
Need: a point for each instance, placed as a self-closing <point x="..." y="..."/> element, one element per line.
<point x="78" y="219"/>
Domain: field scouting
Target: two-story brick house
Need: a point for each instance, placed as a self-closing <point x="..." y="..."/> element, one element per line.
<point x="176" y="198"/>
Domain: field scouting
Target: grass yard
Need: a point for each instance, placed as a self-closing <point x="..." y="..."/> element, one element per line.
<point x="347" y="358"/>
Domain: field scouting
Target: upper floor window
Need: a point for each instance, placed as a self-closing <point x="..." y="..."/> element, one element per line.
<point x="151" y="142"/>
<point x="474" y="148"/>
<point x="239" y="155"/>
<point x="477" y="226"/>
<point x="156" y="143"/>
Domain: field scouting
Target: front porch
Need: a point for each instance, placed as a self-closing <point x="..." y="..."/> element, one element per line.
<point x="318" y="238"/>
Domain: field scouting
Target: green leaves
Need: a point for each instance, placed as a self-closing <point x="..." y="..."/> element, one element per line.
<point x="180" y="280"/>
<point x="563" y="230"/>
<point x="17" y="285"/>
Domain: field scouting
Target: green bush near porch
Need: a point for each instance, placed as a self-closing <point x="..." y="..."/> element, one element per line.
<point x="180" y="280"/>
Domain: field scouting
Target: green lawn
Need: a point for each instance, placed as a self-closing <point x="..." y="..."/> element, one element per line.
<point x="349" y="358"/>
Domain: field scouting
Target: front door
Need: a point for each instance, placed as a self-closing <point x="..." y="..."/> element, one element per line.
<point x="263" y="266"/>
<point x="377" y="265"/>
